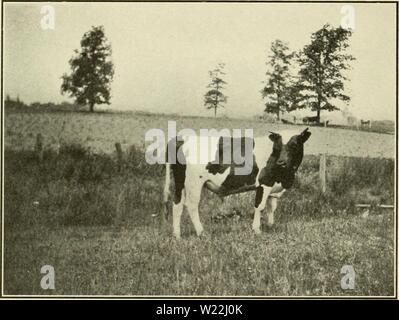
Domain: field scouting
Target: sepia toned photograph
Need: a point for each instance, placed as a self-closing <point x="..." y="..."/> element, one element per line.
<point x="199" y="150"/>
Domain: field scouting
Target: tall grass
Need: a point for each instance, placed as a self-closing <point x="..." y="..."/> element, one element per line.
<point x="75" y="187"/>
<point x="93" y="221"/>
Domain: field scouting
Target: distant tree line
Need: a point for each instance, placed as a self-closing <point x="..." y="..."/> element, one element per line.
<point x="89" y="81"/>
<point x="310" y="78"/>
<point x="319" y="81"/>
<point x="18" y="105"/>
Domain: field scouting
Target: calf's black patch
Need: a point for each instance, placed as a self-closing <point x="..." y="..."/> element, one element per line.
<point x="229" y="150"/>
<point x="177" y="159"/>
<point x="258" y="196"/>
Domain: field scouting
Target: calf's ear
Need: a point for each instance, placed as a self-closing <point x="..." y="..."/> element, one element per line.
<point x="274" y="136"/>
<point x="305" y="134"/>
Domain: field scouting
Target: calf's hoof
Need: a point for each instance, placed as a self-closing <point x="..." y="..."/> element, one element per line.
<point x="177" y="236"/>
<point x="257" y="230"/>
<point x="200" y="232"/>
<point x="269" y="222"/>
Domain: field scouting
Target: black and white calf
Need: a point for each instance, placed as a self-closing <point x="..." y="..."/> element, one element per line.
<point x="274" y="161"/>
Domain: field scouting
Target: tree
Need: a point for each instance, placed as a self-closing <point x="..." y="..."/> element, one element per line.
<point x="320" y="79"/>
<point x="278" y="83"/>
<point x="214" y="98"/>
<point x="92" y="70"/>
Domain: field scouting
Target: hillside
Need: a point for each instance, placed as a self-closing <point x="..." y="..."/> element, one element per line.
<point x="100" y="132"/>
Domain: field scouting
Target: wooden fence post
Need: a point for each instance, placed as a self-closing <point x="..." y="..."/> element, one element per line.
<point x="119" y="154"/>
<point x="322" y="172"/>
<point x="39" y="146"/>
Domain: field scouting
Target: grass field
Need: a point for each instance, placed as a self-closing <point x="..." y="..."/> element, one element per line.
<point x="77" y="212"/>
<point x="101" y="131"/>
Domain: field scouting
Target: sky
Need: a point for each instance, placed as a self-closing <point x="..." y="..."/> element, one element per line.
<point x="162" y="52"/>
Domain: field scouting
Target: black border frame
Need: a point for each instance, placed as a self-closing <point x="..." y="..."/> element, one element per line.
<point x="174" y="300"/>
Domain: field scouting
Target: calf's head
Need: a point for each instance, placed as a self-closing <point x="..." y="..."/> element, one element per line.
<point x="288" y="149"/>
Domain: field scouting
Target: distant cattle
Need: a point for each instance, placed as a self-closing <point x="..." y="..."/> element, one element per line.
<point x="286" y="121"/>
<point x="309" y="120"/>
<point x="365" y="123"/>
<point x="274" y="161"/>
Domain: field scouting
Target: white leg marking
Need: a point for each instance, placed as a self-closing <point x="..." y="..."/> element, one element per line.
<point x="270" y="208"/>
<point x="177" y="212"/>
<point x="194" y="215"/>
<point x="259" y="209"/>
<point x="193" y="197"/>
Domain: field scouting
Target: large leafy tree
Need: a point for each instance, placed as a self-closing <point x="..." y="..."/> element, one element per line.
<point x="320" y="79"/>
<point x="278" y="82"/>
<point x="92" y="70"/>
<point x="214" y="97"/>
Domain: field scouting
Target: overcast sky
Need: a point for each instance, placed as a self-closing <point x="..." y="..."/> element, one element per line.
<point x="162" y="51"/>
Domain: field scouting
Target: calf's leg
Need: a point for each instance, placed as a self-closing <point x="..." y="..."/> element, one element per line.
<point x="271" y="205"/>
<point x="262" y="193"/>
<point x="177" y="212"/>
<point x="193" y="197"/>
